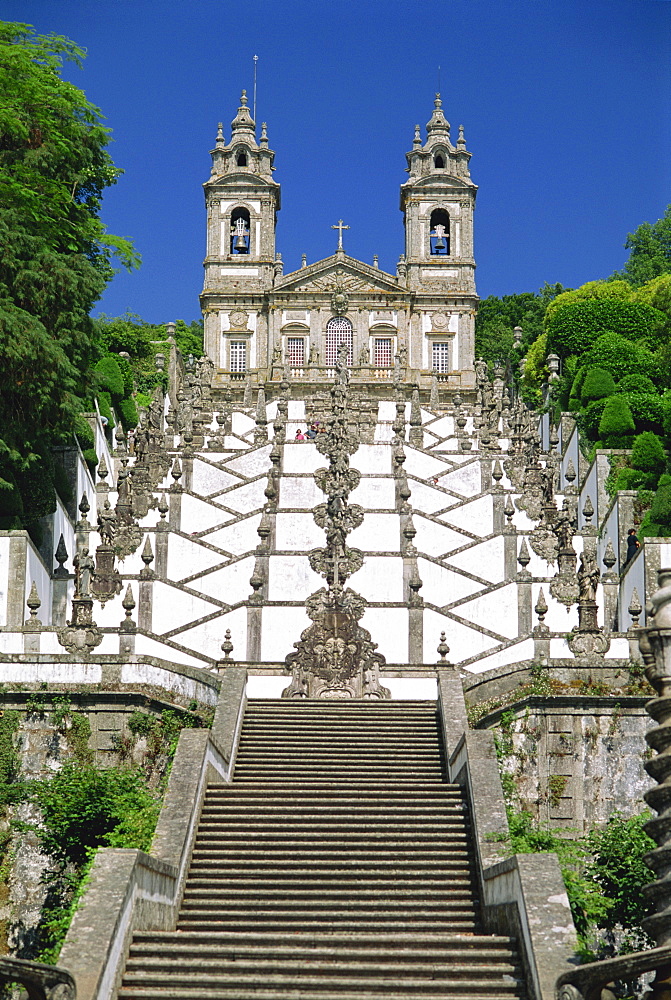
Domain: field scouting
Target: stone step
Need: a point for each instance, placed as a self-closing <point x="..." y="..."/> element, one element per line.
<point x="148" y="972"/>
<point x="367" y="855"/>
<point x="334" y="941"/>
<point x="347" y="907"/>
<point x="303" y="991"/>
<point x="211" y="890"/>
<point x="280" y="923"/>
<point x="393" y="876"/>
<point x="298" y="868"/>
<point x="212" y="985"/>
<point x="277" y="808"/>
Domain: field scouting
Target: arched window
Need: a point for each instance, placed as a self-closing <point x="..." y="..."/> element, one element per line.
<point x="240" y="231"/>
<point x="439" y="232"/>
<point x="338" y="331"/>
<point x="438" y="161"/>
<point x="241" y="159"/>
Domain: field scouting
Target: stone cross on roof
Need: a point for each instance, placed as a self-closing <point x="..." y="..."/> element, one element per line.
<point x="340" y="228"/>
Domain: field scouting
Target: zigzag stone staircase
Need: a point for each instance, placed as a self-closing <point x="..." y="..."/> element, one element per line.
<point x="336" y="865"/>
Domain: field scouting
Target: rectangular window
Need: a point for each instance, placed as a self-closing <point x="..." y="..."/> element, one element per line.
<point x="238" y="355"/>
<point x="296" y="351"/>
<point x="382" y="352"/>
<point x="440" y="356"/>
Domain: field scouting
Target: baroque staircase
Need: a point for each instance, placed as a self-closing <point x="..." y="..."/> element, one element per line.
<point x="337" y="864"/>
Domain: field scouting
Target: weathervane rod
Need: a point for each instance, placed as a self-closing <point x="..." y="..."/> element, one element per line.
<point x="438" y="81"/>
<point x="256" y="59"/>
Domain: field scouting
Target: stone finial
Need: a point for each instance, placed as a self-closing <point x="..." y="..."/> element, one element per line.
<point x="34" y="604"/>
<point x="541" y="610"/>
<point x="220" y="134"/>
<point x="176" y="473"/>
<point x="120" y="439"/>
<point x="264" y="135"/>
<point x="84" y="506"/>
<point x="497" y="473"/>
<point x="553" y="367"/>
<point x="163" y="508"/>
<point x="147" y="558"/>
<point x="635" y="610"/>
<point x="438" y="124"/>
<point x="227" y="645"/>
<point x="523" y="556"/>
<point x="509" y="511"/>
<point x="417" y="141"/>
<point x="588" y="512"/>
<point x="517" y="336"/>
<point x="128" y="604"/>
<point x="609" y="557"/>
<point x="415" y="584"/>
<point x="61" y="556"/>
<point x="461" y="141"/>
<point x="304" y="260"/>
<point x="443" y="649"/>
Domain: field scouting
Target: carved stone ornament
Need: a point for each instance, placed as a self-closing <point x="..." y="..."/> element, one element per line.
<point x="439" y="321"/>
<point x="127" y="539"/>
<point x="339" y="300"/>
<point x="238" y="320"/>
<point x="106" y="581"/>
<point x="335" y="657"/>
<point x="81" y="635"/>
<point x="544" y="543"/>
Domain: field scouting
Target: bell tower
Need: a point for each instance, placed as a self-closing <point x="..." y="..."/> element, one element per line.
<point x="438" y="201"/>
<point x="242" y="201"/>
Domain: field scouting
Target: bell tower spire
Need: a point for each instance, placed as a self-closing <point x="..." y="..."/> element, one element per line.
<point x="242" y="202"/>
<point x="438" y="201"/>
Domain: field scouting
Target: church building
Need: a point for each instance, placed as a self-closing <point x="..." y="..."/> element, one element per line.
<point x="420" y="320"/>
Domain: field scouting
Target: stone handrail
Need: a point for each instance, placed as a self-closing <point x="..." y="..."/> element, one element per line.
<point x="522" y="894"/>
<point x="588" y="981"/>
<point x="40" y="981"/>
<point x="129" y="890"/>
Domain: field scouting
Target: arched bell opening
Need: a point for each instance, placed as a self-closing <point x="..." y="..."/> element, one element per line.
<point x="439" y="231"/>
<point x="439" y="161"/>
<point x="240" y="231"/>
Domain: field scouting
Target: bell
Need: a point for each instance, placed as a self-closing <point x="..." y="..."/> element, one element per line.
<point x="439" y="244"/>
<point x="240" y="242"/>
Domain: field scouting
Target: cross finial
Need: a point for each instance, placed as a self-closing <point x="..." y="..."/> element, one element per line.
<point x="340" y="228"/>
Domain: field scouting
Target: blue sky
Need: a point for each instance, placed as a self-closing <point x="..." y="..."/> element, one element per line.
<point x="566" y="108"/>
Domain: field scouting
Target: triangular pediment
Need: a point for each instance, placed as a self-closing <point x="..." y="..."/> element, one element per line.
<point x="338" y="271"/>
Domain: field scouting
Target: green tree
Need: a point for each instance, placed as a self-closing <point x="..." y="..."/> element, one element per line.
<point x="498" y="316"/>
<point x="55" y="255"/>
<point x="650" y="250"/>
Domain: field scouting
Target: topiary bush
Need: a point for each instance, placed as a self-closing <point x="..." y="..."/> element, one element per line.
<point x="589" y="418"/>
<point x="84" y="433"/>
<point x="105" y="407"/>
<point x="628" y="479"/>
<point x="616" y="426"/>
<point x="647" y="411"/>
<point x="649" y="458"/>
<point x="636" y="382"/>
<point x="110" y="377"/>
<point x="127" y="374"/>
<point x="620" y="357"/>
<point x="128" y="413"/>
<point x="597" y="384"/>
<point x="574" y="327"/>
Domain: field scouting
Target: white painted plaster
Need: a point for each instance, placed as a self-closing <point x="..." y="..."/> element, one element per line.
<point x="51" y="673"/>
<point x="262" y="686"/>
<point x="559" y="648"/>
<point x="237" y="538"/>
<point x="496" y="611"/>
<point x="207" y="479"/>
<point x="173" y="608"/>
<point x="466" y="481"/>
<point x="523" y="650"/>
<point x="375" y="494"/>
<point x="464" y="642"/>
<point x="484" y="559"/>
<point x="411" y="688"/>
<point x="378" y="533"/>
<point x="427" y="499"/>
<point x="443" y="426"/>
<point x="443" y="586"/>
<point x="372" y="459"/>
<point x="379" y="579"/>
<point x="208" y="637"/>
<point x="281" y="628"/>
<point x="232" y="443"/>
<point x="298" y="532"/>
<point x="386" y="410"/>
<point x="423" y="466"/>
<point x="199" y="515"/>
<point x="241" y="423"/>
<point x="230" y="583"/>
<point x="388" y="627"/>
<point x="255" y="463"/>
<point x="291" y="578"/>
<point x="245" y="498"/>
<point x="301" y="493"/>
<point x="149" y="673"/>
<point x="187" y="556"/>
<point x="435" y="539"/>
<point x="559" y="618"/>
<point x="476" y="516"/>
<point x="302" y="456"/>
<point x="619" y="649"/>
<point x="296" y="410"/>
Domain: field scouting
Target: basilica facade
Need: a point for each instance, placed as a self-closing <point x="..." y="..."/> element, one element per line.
<point x="414" y="326"/>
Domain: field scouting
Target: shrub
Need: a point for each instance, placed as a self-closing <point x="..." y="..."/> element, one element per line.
<point x="628" y="479"/>
<point x="597" y="384"/>
<point x="620" y="357"/>
<point x="660" y="512"/>
<point x="110" y="377"/>
<point x="636" y="382"/>
<point x="105" y="407"/>
<point x="617" y="424"/>
<point x="84" y="433"/>
<point x="617" y="865"/>
<point x="127" y="374"/>
<point x="589" y="419"/>
<point x="647" y="410"/>
<point x="647" y="454"/>
<point x="574" y="327"/>
<point x="128" y="413"/>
